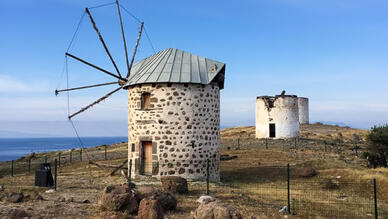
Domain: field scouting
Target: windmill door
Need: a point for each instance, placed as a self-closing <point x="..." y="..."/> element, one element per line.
<point x="272" y="130"/>
<point x="147" y="157"/>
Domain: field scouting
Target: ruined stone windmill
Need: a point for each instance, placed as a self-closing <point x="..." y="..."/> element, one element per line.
<point x="173" y="111"/>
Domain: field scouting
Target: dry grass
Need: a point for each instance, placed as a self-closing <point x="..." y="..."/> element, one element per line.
<point x="257" y="176"/>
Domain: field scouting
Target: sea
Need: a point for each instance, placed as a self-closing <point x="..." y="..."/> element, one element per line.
<point x="14" y="148"/>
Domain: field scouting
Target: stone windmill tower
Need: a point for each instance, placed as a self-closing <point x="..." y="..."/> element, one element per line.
<point x="174" y="115"/>
<point x="173" y="109"/>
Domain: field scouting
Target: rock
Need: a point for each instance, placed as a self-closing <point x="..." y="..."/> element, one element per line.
<point x="227" y="157"/>
<point x="309" y="172"/>
<point x="1" y="188"/>
<point x="15" y="197"/>
<point x="216" y="210"/>
<point x="119" y="198"/>
<point x="175" y="184"/>
<point x="205" y="199"/>
<point x="330" y="184"/>
<point x="33" y="196"/>
<point x="70" y="199"/>
<point x="150" y="209"/>
<point x="283" y="209"/>
<point x="145" y="191"/>
<point x="61" y="199"/>
<point x="18" y="213"/>
<point x="166" y="200"/>
<point x="86" y="201"/>
<point x="50" y="191"/>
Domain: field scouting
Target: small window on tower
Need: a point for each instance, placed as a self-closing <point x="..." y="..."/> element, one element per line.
<point x="145" y="100"/>
<point x="133" y="148"/>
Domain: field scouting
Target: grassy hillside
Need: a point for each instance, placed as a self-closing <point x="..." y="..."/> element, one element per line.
<point x="254" y="182"/>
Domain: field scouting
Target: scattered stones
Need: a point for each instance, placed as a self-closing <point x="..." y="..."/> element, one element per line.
<point x="15" y="197"/>
<point x="118" y="198"/>
<point x="308" y="172"/>
<point x="150" y="209"/>
<point x="227" y="157"/>
<point x="61" y="199"/>
<point x="175" y="184"/>
<point x="205" y="199"/>
<point x="216" y="210"/>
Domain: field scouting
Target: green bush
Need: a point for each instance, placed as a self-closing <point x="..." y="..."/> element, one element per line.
<point x="377" y="141"/>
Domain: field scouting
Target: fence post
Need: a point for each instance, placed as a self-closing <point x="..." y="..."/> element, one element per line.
<point x="105" y="153"/>
<point x="80" y="155"/>
<point x="295" y="142"/>
<point x="71" y="156"/>
<point x="207" y="177"/>
<point x="55" y="176"/>
<point x="29" y="165"/>
<point x="59" y="159"/>
<point x="12" y="168"/>
<point x="130" y="169"/>
<point x="375" y="198"/>
<point x="288" y="189"/>
<point x="129" y="174"/>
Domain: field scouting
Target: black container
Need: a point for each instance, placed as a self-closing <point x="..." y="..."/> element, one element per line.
<point x="44" y="177"/>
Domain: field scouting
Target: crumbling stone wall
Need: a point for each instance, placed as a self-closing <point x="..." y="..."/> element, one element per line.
<point x="183" y="124"/>
<point x="283" y="112"/>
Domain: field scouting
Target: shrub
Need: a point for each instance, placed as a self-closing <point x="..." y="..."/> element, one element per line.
<point x="377" y="141"/>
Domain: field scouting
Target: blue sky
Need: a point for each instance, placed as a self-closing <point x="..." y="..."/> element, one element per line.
<point x="332" y="51"/>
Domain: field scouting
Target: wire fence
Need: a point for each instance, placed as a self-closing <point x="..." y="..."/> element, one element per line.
<point x="268" y="190"/>
<point x="337" y="146"/>
<point x="303" y="197"/>
<point x="30" y="163"/>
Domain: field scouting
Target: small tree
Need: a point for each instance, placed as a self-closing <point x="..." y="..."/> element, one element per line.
<point x="377" y="141"/>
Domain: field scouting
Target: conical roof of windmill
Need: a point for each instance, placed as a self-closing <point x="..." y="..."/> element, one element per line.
<point x="177" y="66"/>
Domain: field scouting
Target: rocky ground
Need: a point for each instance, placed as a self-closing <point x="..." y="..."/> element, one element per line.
<point x="255" y="171"/>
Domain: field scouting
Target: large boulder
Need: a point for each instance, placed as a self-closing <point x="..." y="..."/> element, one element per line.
<point x="215" y="210"/>
<point x="175" y="184"/>
<point x="119" y="198"/>
<point x="150" y="209"/>
<point x="166" y="200"/>
<point x="145" y="191"/>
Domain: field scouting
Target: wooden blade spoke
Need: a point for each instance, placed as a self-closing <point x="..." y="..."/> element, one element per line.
<point x="94" y="103"/>
<point x="123" y="35"/>
<point x="94" y="66"/>
<point x="84" y="87"/>
<point x="134" y="51"/>
<point x="102" y="40"/>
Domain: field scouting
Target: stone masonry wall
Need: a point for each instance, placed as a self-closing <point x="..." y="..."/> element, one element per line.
<point x="183" y="124"/>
